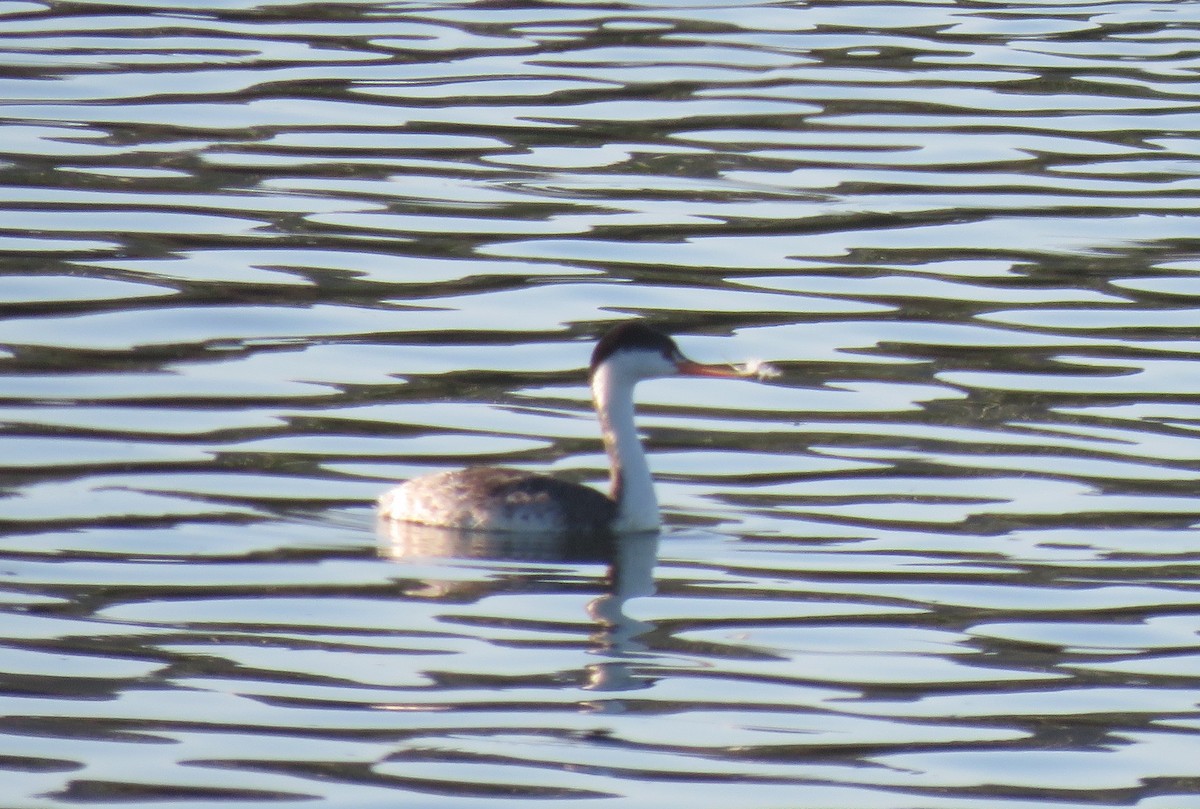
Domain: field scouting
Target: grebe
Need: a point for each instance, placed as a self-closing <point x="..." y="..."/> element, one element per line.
<point x="483" y="498"/>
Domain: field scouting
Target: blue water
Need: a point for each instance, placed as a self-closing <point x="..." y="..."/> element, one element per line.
<point x="263" y="259"/>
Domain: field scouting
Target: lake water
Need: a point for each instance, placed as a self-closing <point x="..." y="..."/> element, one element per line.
<point x="263" y="258"/>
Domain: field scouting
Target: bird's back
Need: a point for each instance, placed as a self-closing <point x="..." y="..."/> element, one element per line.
<point x="485" y="498"/>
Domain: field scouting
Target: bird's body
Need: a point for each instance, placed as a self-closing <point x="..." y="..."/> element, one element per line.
<point x="489" y="498"/>
<point x="483" y="498"/>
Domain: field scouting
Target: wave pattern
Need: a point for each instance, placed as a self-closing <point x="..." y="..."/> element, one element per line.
<point x="263" y="257"/>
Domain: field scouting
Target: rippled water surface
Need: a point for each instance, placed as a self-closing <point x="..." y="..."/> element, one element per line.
<point x="260" y="259"/>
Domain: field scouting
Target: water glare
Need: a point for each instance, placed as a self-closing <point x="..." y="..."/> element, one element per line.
<point x="263" y="258"/>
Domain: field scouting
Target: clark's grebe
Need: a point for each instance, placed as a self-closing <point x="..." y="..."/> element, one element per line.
<point x="483" y="498"/>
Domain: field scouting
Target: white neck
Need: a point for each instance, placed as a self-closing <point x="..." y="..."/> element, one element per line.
<point x="632" y="487"/>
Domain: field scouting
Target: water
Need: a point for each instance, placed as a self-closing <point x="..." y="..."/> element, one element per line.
<point x="263" y="258"/>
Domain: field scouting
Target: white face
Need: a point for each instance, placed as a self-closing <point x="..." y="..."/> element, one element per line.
<point x="634" y="365"/>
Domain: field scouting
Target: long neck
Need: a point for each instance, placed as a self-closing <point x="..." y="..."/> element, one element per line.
<point x="632" y="487"/>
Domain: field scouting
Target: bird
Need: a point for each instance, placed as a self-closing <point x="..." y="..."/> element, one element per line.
<point x="503" y="500"/>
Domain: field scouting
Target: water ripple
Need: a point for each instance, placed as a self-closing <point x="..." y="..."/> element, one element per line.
<point x="263" y="258"/>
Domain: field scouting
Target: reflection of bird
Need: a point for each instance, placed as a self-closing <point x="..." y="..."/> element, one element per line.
<point x="509" y="500"/>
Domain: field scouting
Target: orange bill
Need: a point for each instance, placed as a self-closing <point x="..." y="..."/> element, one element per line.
<point x="689" y="368"/>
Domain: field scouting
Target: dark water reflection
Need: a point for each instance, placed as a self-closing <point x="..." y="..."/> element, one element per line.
<point x="260" y="259"/>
